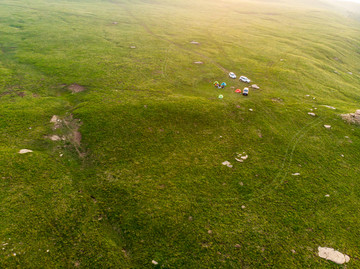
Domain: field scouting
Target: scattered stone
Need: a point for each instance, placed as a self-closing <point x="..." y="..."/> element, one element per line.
<point x="228" y="164"/>
<point x="23" y="151"/>
<point x="154" y="262"/>
<point x="132" y="47"/>
<point x="307" y="95"/>
<point x="296" y="174"/>
<point x="311" y="114"/>
<point x="281" y="60"/>
<point x="241" y="157"/>
<point x="327" y="195"/>
<point x="55" y="138"/>
<point x="241" y="184"/>
<point x="198" y="62"/>
<point x="61" y="155"/>
<point x="331" y="107"/>
<point x="190" y="218"/>
<point x="243" y="207"/>
<point x="350" y="73"/>
<point x="336" y="72"/>
<point x="250" y="109"/>
<point x="342" y="155"/>
<point x="277" y="100"/>
<point x="115" y="22"/>
<point x="54" y="119"/>
<point x="237" y="246"/>
<point x="333" y="255"/>
<point x="194" y="42"/>
<point x="254" y="86"/>
<point x="327" y="126"/>
<point x="314" y="98"/>
<point x="293" y="251"/>
<point x="209" y="231"/>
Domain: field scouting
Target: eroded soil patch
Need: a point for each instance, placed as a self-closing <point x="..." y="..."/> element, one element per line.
<point x="75" y="88"/>
<point x="352" y="117"/>
<point x="70" y="129"/>
<point x="12" y="92"/>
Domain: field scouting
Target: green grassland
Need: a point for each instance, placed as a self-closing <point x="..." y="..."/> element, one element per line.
<point x="147" y="182"/>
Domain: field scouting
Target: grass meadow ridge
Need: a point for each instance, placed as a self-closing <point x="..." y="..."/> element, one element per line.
<point x="129" y="173"/>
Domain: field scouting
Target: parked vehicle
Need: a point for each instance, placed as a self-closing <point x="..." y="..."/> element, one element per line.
<point x="245" y="91"/>
<point x="244" y="79"/>
<point x="232" y="75"/>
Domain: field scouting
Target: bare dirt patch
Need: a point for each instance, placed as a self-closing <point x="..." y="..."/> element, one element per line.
<point x="12" y="92"/>
<point x="75" y="88"/>
<point x="4" y="93"/>
<point x="73" y="135"/>
<point x="352" y="117"/>
<point x="70" y="128"/>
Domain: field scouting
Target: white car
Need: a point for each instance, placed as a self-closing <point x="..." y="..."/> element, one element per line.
<point x="232" y="75"/>
<point x="245" y="91"/>
<point x="244" y="79"/>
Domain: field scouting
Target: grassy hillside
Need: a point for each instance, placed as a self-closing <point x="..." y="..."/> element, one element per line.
<point x="146" y="182"/>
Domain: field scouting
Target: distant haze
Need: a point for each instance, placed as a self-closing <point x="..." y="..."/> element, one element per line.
<point x="355" y="1"/>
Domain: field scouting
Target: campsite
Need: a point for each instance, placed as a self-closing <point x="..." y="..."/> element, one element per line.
<point x="119" y="150"/>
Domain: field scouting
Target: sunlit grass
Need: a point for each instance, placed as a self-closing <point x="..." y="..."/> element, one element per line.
<point x="152" y="185"/>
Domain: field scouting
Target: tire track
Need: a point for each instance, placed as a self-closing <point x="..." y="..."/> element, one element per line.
<point x="179" y="46"/>
<point x="283" y="172"/>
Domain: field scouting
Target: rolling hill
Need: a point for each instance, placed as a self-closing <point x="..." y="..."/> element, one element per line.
<point x="128" y="135"/>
